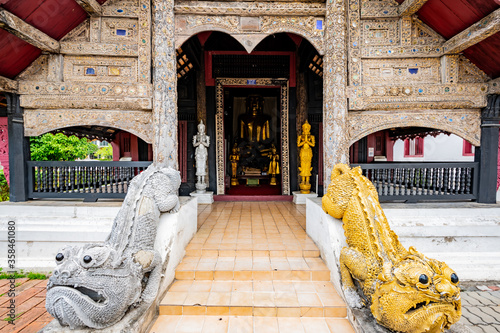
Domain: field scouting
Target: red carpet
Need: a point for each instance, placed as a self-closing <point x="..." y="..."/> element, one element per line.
<point x="253" y="197"/>
<point x="263" y="189"/>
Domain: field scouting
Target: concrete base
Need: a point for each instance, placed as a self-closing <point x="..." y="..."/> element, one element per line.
<point x="174" y="233"/>
<point x="44" y="227"/>
<point x="203" y="198"/>
<point x="300" y="198"/>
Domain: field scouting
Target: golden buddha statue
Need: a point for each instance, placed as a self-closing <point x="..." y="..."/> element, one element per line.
<point x="254" y="125"/>
<point x="274" y="164"/>
<point x="304" y="143"/>
<point x="234" y="158"/>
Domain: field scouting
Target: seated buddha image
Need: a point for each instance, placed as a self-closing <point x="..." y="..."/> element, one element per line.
<point x="254" y="125"/>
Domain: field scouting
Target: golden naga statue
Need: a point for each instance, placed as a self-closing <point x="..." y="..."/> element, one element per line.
<point x="234" y="158"/>
<point x="406" y="291"/>
<point x="304" y="142"/>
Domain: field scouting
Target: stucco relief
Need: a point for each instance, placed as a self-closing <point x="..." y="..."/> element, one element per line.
<point x="121" y="8"/>
<point x="309" y="27"/>
<point x="335" y="135"/>
<point x="400" y="71"/>
<point x="86" y="95"/>
<point x="104" y="69"/>
<point x="37" y="122"/>
<point x="164" y="85"/>
<point x="464" y="123"/>
<point x="38" y="69"/>
<point x="379" y="8"/>
<point x="436" y="96"/>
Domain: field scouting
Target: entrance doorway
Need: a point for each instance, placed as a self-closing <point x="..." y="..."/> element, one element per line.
<point x="252" y="136"/>
<point x="216" y="78"/>
<point x="252" y="126"/>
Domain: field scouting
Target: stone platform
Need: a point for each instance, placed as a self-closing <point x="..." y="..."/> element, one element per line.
<point x="203" y="198"/>
<point x="300" y="198"/>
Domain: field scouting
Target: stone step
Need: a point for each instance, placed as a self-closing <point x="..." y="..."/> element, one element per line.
<point x="267" y="275"/>
<point x="258" y="298"/>
<point x="234" y="324"/>
<point x="251" y="264"/>
<point x="313" y="253"/>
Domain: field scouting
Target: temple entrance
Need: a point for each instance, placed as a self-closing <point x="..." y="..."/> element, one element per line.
<point x="252" y="126"/>
<point x="254" y="105"/>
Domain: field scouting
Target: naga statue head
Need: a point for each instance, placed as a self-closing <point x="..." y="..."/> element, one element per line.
<point x="96" y="279"/>
<point x="341" y="190"/>
<point x="406" y="291"/>
<point x="417" y="294"/>
<point x="96" y="285"/>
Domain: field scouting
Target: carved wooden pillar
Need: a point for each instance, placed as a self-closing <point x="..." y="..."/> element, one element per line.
<point x="19" y="150"/>
<point x="335" y="135"/>
<point x="164" y="85"/>
<point x="4" y="147"/>
<point x="488" y="153"/>
<point x="301" y="102"/>
<point x="201" y="97"/>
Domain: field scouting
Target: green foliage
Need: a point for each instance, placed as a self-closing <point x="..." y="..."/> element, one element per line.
<point x="4" y="188"/>
<point x="36" y="276"/>
<point x="105" y="153"/>
<point x="59" y="147"/>
<point x="15" y="318"/>
<point x="21" y="274"/>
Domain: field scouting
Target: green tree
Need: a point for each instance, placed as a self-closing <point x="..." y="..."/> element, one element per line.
<point x="105" y="153"/>
<point x="59" y="147"/>
<point x="4" y="187"/>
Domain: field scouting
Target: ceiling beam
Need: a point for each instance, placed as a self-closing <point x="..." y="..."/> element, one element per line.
<point x="27" y="32"/>
<point x="8" y="85"/>
<point x="410" y="7"/>
<point x="474" y="34"/>
<point x="92" y="7"/>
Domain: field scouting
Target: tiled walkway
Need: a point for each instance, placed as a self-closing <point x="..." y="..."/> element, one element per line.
<point x="252" y="268"/>
<point x="30" y="306"/>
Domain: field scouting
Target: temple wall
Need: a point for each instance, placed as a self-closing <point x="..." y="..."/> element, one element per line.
<point x="102" y="75"/>
<point x="381" y="70"/>
<point x="401" y="75"/>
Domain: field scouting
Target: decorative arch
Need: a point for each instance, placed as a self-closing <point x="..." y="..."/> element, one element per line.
<point x="464" y="123"/>
<point x="304" y="26"/>
<point x="138" y="123"/>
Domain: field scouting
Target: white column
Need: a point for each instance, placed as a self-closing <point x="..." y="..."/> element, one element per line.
<point x="164" y="85"/>
<point x="335" y="134"/>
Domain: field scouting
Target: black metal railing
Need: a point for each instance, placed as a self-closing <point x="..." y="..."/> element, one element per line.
<point x="89" y="180"/>
<point x="423" y="181"/>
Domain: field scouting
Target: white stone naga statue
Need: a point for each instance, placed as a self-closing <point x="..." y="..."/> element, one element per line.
<point x="96" y="285"/>
<point x="201" y="141"/>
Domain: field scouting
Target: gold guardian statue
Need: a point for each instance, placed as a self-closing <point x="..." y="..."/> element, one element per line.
<point x="406" y="291"/>
<point x="304" y="143"/>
